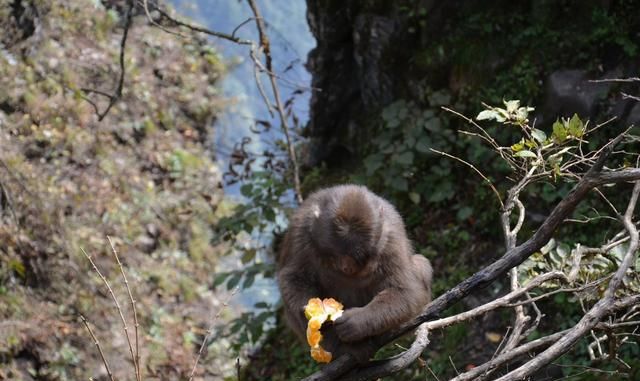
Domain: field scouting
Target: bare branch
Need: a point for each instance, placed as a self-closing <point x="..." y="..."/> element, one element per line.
<point x="376" y="369"/>
<point x="209" y="332"/>
<point x="97" y="343"/>
<point x="113" y="98"/>
<point x="625" y="80"/>
<point x="597" y="312"/>
<point x="266" y="50"/>
<point x="480" y="372"/>
<point x="505" y="301"/>
<point x="136" y="362"/>
<point x="593" y="178"/>
<point x="125" y="328"/>
<point x="195" y="28"/>
<point x="493" y="188"/>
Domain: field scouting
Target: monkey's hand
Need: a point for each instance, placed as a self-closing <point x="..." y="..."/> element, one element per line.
<point x="361" y="351"/>
<point x="352" y="325"/>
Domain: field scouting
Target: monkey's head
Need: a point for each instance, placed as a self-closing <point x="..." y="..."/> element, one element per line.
<point x="346" y="233"/>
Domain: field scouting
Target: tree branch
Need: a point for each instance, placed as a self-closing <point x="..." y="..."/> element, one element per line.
<point x="113" y="98"/>
<point x="376" y="369"/>
<point x="593" y="178"/>
<point x="265" y="46"/>
<point x="603" y="307"/>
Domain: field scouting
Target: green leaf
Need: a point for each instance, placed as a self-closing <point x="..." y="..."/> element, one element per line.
<point x="270" y="214"/>
<point x="422" y="145"/>
<point x="18" y="267"/>
<point x="512" y="106"/>
<point x="559" y="131"/>
<point x="248" y="255"/>
<point x="220" y="278"/>
<point x="523" y="113"/>
<point x="400" y="183"/>
<point x="246" y="189"/>
<point x="464" y="213"/>
<point x="576" y="127"/>
<point x="433" y="125"/>
<point x="248" y="280"/>
<point x="372" y="163"/>
<point x="443" y="191"/>
<point x="487" y="115"/>
<point x="405" y="158"/>
<point x="525" y="153"/>
<point x="539" y="135"/>
<point x="235" y="279"/>
<point x="440" y="98"/>
<point x="518" y="146"/>
<point x="414" y="197"/>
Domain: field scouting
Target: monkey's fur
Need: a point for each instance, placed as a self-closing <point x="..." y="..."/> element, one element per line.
<point x="349" y="244"/>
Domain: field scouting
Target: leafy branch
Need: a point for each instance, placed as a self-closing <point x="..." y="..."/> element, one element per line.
<point x="559" y="155"/>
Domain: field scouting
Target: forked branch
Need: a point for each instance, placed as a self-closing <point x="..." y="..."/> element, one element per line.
<point x="593" y="178"/>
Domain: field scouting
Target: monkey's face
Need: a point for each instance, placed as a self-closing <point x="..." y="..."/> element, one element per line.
<point x="350" y="255"/>
<point x="344" y="235"/>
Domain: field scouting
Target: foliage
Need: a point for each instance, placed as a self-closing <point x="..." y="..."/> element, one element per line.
<point x="144" y="176"/>
<point x="497" y="53"/>
<point x="248" y="229"/>
<point x="593" y="265"/>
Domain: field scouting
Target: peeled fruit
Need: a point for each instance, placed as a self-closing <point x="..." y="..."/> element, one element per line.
<point x="320" y="355"/>
<point x="317" y="312"/>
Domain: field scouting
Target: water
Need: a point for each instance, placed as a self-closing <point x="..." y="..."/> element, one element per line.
<point x="291" y="40"/>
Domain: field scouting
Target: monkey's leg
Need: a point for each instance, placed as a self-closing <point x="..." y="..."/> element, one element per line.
<point x="424" y="272"/>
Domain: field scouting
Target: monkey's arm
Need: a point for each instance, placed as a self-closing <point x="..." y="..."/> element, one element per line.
<point x="391" y="307"/>
<point x="296" y="287"/>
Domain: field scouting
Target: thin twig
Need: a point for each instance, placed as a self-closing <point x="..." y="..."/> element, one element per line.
<point x="625" y="80"/>
<point x="197" y="28"/>
<point x="485" y="178"/>
<point x="632" y="97"/>
<point x="266" y="51"/>
<point x="97" y="343"/>
<point x="209" y="332"/>
<point x="113" y="98"/>
<point x="117" y="304"/>
<point x="133" y="308"/>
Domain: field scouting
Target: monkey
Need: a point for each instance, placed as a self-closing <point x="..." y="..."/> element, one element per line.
<point x="347" y="243"/>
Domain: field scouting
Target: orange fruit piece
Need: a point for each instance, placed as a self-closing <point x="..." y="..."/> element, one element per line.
<point x="317" y="312"/>
<point x="320" y="355"/>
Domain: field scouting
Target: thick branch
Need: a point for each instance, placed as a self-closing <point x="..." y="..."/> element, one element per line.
<point x="512" y="258"/>
<point x="479" y="372"/>
<point x="376" y="369"/>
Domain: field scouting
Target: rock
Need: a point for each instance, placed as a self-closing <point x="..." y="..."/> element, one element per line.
<point x="634" y="115"/>
<point x="371" y="35"/>
<point x="569" y="92"/>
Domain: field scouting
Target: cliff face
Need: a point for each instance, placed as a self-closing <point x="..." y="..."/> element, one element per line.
<point x="349" y="66"/>
<point x="143" y="176"/>
<point x="371" y="53"/>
